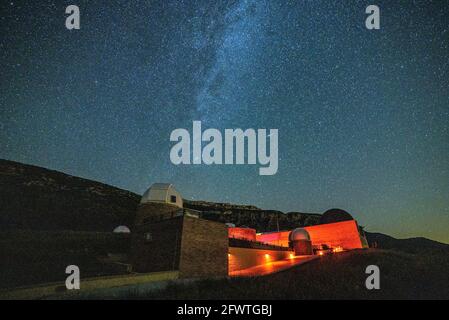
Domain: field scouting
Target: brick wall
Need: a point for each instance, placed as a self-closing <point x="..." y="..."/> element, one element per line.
<point x="204" y="249"/>
<point x="151" y="212"/>
<point x="159" y="252"/>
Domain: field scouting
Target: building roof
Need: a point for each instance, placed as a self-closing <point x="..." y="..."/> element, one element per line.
<point x="335" y="215"/>
<point x="163" y="186"/>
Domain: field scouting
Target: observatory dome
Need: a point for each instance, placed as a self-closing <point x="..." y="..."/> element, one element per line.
<point x="335" y="215"/>
<point x="122" y="229"/>
<point x="162" y="193"/>
<point x="299" y="234"/>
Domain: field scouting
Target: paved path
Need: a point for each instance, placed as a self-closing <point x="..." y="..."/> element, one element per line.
<point x="272" y="267"/>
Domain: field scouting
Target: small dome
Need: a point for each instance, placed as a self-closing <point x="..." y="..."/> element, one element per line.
<point x="122" y="229"/>
<point x="299" y="234"/>
<point x="335" y="215"/>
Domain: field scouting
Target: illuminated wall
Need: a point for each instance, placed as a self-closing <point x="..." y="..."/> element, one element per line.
<point x="242" y="233"/>
<point x="343" y="234"/>
<point x="242" y="258"/>
<point x="275" y="238"/>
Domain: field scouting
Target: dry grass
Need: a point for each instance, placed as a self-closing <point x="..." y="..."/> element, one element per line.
<point x="342" y="276"/>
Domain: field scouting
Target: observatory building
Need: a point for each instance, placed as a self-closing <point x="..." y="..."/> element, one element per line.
<point x="168" y="237"/>
<point x="299" y="240"/>
<point x="162" y="193"/>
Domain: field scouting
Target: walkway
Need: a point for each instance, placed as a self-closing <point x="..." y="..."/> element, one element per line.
<point x="272" y="267"/>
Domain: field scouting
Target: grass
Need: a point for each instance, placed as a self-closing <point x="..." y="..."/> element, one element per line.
<point x="342" y="276"/>
<point x="34" y="257"/>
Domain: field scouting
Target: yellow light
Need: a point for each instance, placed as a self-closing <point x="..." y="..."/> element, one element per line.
<point x="267" y="255"/>
<point x="320" y="253"/>
<point x="292" y="255"/>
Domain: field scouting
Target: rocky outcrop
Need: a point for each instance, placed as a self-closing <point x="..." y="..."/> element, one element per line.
<point x="253" y="217"/>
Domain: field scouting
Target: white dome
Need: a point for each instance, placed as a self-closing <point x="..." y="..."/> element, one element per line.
<point x="162" y="193"/>
<point x="122" y="229"/>
<point x="299" y="234"/>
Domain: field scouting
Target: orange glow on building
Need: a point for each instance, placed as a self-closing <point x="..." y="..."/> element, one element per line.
<point x="275" y="238"/>
<point x="343" y="235"/>
<point x="326" y="238"/>
<point x="242" y="233"/>
<point x="243" y="258"/>
<point x="337" y="249"/>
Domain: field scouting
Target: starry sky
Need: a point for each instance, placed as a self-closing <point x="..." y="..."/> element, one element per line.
<point x="363" y="116"/>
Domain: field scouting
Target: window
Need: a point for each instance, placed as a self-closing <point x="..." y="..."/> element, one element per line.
<point x="173" y="199"/>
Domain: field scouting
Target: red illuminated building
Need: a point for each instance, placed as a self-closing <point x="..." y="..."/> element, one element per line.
<point x="168" y="237"/>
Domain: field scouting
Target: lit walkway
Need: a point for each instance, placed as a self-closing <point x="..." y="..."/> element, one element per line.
<point x="272" y="267"/>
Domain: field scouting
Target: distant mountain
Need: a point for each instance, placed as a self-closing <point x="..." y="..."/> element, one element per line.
<point x="410" y="245"/>
<point x="40" y="199"/>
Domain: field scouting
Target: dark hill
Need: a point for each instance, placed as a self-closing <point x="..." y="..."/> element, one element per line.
<point x="410" y="245"/>
<point x="41" y="199"/>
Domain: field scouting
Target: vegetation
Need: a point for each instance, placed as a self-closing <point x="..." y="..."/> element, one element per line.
<point x="339" y="276"/>
<point x="33" y="257"/>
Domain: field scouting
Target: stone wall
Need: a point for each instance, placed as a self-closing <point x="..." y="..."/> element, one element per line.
<point x="152" y="212"/>
<point x="204" y="249"/>
<point x="156" y="246"/>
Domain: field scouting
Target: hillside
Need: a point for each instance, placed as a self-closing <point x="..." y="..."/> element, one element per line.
<point x="35" y="198"/>
<point x="40" y="199"/>
<point x="410" y="245"/>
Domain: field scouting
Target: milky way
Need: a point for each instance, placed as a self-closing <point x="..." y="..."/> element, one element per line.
<point x="363" y="116"/>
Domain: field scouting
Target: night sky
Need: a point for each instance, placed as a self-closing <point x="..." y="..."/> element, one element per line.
<point x="363" y="115"/>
